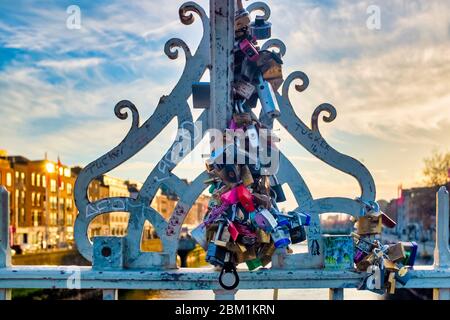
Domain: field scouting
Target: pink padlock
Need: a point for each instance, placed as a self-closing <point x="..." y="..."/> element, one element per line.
<point x="230" y="197"/>
<point x="234" y="233"/>
<point x="249" y="50"/>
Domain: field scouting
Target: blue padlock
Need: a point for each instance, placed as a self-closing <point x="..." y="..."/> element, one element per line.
<point x="280" y="236"/>
<point x="260" y="28"/>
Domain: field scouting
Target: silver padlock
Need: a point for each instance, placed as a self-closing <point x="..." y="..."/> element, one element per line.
<point x="261" y="29"/>
<point x="267" y="98"/>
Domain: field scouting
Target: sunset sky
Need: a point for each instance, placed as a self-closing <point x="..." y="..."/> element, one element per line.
<point x="391" y="87"/>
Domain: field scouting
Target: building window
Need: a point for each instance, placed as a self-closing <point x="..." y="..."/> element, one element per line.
<point x="53" y="185"/>
<point x="69" y="205"/>
<point x="53" y="202"/>
<point x="38" y="180"/>
<point x="33" y="177"/>
<point x="22" y="197"/>
<point x="22" y="177"/>
<point x="33" y="199"/>
<point x="8" y="179"/>
<point x="35" y="218"/>
<point x="69" y="188"/>
<point x="38" y="199"/>
<point x="69" y="219"/>
<point x="44" y="182"/>
<point x="22" y="215"/>
<point x="61" y="187"/>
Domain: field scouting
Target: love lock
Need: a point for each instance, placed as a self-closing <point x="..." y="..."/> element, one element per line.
<point x="229" y="278"/>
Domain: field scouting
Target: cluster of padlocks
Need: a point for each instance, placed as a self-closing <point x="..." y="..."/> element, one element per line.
<point x="243" y="223"/>
<point x="385" y="265"/>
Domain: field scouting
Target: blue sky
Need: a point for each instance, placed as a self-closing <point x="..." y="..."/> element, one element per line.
<point x="58" y="87"/>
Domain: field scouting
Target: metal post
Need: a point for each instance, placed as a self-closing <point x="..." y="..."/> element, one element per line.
<point x="222" y="60"/>
<point x="336" y="294"/>
<point x="110" y="294"/>
<point x="5" y="250"/>
<point x="441" y="250"/>
<point x="221" y="294"/>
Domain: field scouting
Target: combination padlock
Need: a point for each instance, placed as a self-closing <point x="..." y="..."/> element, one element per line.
<point x="267" y="98"/>
<point x="277" y="189"/>
<point x="260" y="28"/>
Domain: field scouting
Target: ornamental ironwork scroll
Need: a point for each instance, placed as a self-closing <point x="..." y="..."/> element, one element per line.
<point x="175" y="105"/>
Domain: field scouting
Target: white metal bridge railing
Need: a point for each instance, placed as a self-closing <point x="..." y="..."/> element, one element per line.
<point x="436" y="277"/>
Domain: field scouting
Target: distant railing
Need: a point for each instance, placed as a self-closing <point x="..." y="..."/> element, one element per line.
<point x="436" y="277"/>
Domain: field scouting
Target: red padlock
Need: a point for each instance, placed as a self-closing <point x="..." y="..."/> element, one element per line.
<point x="245" y="198"/>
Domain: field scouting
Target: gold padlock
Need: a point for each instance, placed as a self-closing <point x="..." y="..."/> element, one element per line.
<point x="366" y="262"/>
<point x="396" y="252"/>
<point x="246" y="176"/>
<point x="392" y="282"/>
<point x="369" y="224"/>
<point x="272" y="70"/>
<point x="390" y="266"/>
<point x="263" y="237"/>
<point x="242" y="119"/>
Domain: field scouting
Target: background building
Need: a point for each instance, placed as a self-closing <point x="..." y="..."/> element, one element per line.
<point x="43" y="210"/>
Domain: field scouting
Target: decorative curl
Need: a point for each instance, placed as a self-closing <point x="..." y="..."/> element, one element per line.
<point x="125" y="104"/>
<point x="188" y="19"/>
<point x="275" y="43"/>
<point x="260" y="6"/>
<point x="172" y="53"/>
<point x="294" y="76"/>
<point x="331" y="110"/>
